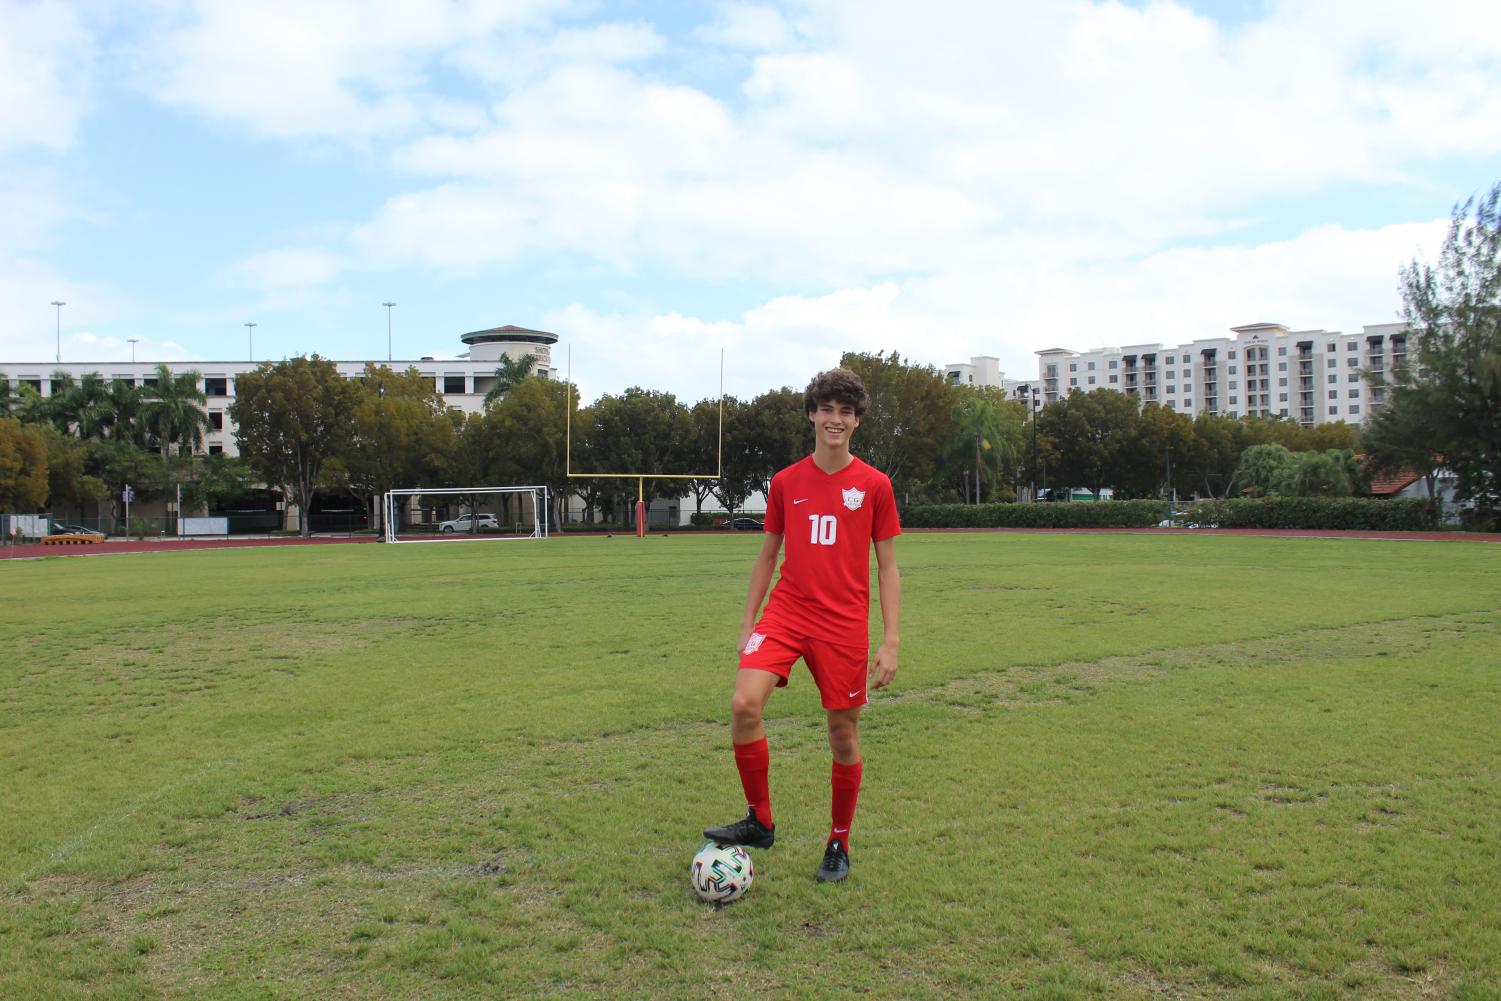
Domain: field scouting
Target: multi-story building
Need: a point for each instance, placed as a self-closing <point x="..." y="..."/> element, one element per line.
<point x="1263" y="370"/>
<point x="462" y="381"/>
<point x="981" y="370"/>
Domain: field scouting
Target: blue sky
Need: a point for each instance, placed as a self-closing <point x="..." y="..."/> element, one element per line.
<point x="656" y="182"/>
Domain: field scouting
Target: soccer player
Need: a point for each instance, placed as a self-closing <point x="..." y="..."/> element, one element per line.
<point x="827" y="509"/>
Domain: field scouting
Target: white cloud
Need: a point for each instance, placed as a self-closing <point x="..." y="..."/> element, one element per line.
<point x="340" y="70"/>
<point x="46" y="68"/>
<point x="747" y="26"/>
<point x="1327" y="277"/>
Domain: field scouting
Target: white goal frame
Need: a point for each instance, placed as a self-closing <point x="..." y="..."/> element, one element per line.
<point x="538" y="494"/>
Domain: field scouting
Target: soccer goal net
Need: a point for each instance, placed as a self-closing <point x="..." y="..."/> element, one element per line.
<point x="455" y="514"/>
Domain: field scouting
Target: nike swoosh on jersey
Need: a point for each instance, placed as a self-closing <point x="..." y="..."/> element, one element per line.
<point x="799" y="501"/>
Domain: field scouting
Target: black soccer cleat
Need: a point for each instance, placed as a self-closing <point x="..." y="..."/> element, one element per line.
<point x="749" y="832"/>
<point x="836" y="863"/>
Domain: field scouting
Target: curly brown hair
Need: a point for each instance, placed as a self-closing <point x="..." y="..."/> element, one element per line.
<point x="837" y="385"/>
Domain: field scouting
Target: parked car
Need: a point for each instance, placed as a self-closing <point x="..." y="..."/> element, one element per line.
<point x="741" y="524"/>
<point x="58" y="528"/>
<point x="470" y="523"/>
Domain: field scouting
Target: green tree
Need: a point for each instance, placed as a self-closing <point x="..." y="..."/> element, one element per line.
<point x="291" y="417"/>
<point x="69" y="482"/>
<point x="1263" y="469"/>
<point x="400" y="436"/>
<point x="509" y="373"/>
<point x="1454" y="308"/>
<point x="986" y="442"/>
<point x="711" y="418"/>
<point x="23" y="467"/>
<point x="1094" y="434"/>
<point x="909" y="418"/>
<point x="1400" y="439"/>
<point x="173" y="411"/>
<point x="642" y="431"/>
<point x="530" y="422"/>
<point x="1165" y="439"/>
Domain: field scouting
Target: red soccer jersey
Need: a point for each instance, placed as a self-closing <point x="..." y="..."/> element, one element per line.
<point x="827" y="523"/>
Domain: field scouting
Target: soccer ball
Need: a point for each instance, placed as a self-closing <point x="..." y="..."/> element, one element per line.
<point x="722" y="873"/>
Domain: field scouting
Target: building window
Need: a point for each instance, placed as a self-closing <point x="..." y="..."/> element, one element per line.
<point x="1073" y="380"/>
<point x="1282" y="366"/>
<point x="1073" y="366"/>
<point x="216" y="420"/>
<point x="1351" y="346"/>
<point x="1234" y="383"/>
<point x="1333" y="411"/>
<point x="1284" y="411"/>
<point x="1232" y="352"/>
<point x="1333" y="394"/>
<point x="1354" y="408"/>
<point x="1281" y="350"/>
<point x="1114" y="363"/>
<point x="215" y="385"/>
<point x="453" y="384"/>
<point x="1172" y="389"/>
<point x="1352" y="362"/>
<point x="1333" y="378"/>
<point x="542" y="374"/>
<point x="216" y="450"/>
<point x="1282" y="381"/>
<point x="1172" y="374"/>
<point x="1282" y="398"/>
<point x="1091" y="366"/>
<point x="1354" y="377"/>
<point x="1354" y="394"/>
<point x="1115" y="378"/>
<point x="1234" y="401"/>
<point x="1091" y="380"/>
<point x="1188" y="387"/>
<point x="1332" y="347"/>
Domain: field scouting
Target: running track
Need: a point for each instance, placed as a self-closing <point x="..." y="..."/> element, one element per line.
<point x="115" y="547"/>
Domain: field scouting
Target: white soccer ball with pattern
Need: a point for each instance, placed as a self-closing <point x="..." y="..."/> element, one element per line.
<point x="722" y="873"/>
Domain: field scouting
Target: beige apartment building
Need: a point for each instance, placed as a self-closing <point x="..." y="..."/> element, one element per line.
<point x="1261" y="370"/>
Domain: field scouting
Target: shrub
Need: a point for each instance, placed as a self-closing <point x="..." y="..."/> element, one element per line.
<point x="1330" y="513"/>
<point x="1101" y="514"/>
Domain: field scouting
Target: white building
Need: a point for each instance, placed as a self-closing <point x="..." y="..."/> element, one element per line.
<point x="1263" y="369"/>
<point x="462" y="381"/>
<point x="981" y="370"/>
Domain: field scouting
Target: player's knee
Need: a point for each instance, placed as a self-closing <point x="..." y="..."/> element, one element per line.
<point x="745" y="708"/>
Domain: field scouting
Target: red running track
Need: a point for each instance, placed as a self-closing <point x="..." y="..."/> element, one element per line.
<point x="37" y="550"/>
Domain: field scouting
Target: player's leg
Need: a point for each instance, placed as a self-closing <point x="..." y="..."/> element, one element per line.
<point x="764" y="665"/>
<point x="840" y="672"/>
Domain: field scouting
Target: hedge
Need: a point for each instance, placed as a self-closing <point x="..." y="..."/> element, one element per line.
<point x="1334" y="513"/>
<point x="1069" y="514"/>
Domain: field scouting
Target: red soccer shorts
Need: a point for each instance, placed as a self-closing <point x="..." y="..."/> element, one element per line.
<point x="838" y="670"/>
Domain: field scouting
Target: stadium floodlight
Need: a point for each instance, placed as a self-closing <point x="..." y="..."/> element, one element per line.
<point x="530" y="522"/>
<point x="640" y="478"/>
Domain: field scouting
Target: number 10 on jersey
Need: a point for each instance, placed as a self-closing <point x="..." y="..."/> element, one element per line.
<point x="823" y="529"/>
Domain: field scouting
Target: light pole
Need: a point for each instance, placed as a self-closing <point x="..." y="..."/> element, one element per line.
<point x="388" y="305"/>
<point x="133" y="342"/>
<point x="250" y="341"/>
<point x="59" y="304"/>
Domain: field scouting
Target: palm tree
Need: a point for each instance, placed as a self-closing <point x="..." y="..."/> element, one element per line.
<point x="56" y="408"/>
<point x="89" y="406"/>
<point x="125" y="404"/>
<point x="986" y="438"/>
<point x="173" y="410"/>
<point x="508" y="374"/>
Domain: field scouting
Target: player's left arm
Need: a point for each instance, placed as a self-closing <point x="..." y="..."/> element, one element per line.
<point x="889" y="580"/>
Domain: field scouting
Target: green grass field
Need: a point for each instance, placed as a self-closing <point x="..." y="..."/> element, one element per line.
<point x="1112" y="766"/>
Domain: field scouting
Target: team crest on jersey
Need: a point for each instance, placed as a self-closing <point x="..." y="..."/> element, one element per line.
<point x="753" y="643"/>
<point x="853" y="498"/>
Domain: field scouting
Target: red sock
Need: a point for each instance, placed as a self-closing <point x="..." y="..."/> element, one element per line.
<point x="754" y="761"/>
<point x="846" y="783"/>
